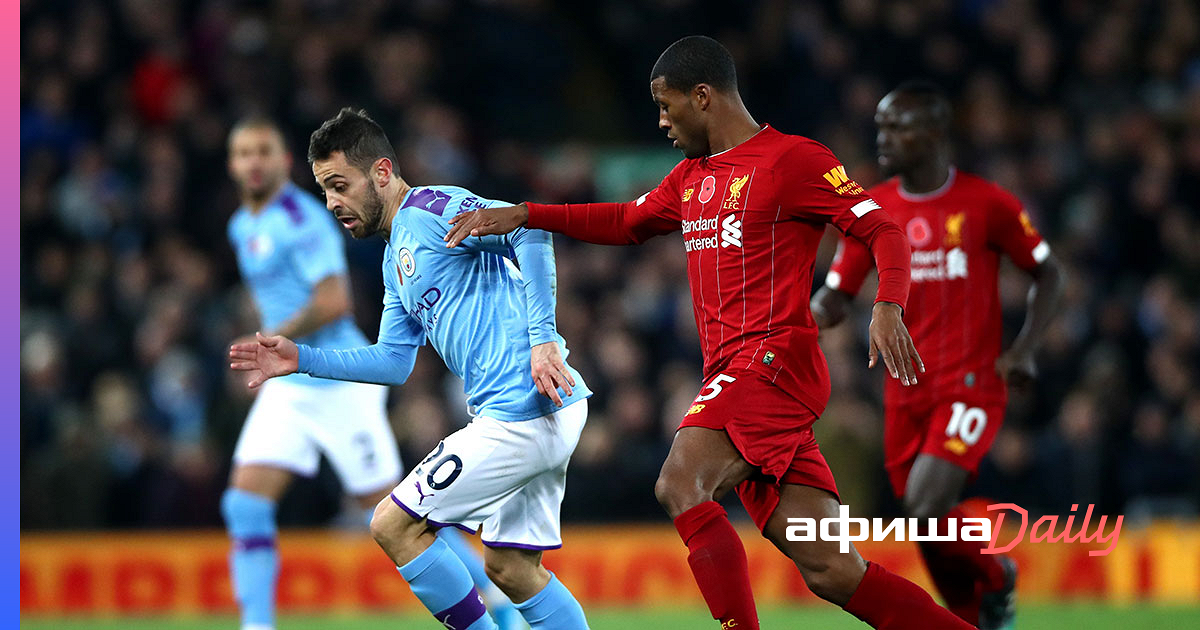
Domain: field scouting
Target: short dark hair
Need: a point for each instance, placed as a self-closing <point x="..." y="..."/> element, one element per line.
<point x="356" y="135"/>
<point x="256" y="121"/>
<point x="694" y="60"/>
<point x="931" y="97"/>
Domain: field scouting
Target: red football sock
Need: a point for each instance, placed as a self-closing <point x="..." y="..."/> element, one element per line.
<point x="958" y="588"/>
<point x="960" y="571"/>
<point x="718" y="562"/>
<point x="887" y="601"/>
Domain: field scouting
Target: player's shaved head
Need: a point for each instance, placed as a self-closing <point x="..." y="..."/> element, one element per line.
<point x="353" y="133"/>
<point x="924" y="98"/>
<point x="694" y="60"/>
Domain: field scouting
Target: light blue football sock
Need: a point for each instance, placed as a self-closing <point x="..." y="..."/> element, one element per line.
<point x="553" y="608"/>
<point x="439" y="579"/>
<point x="254" y="562"/>
<point x="492" y="594"/>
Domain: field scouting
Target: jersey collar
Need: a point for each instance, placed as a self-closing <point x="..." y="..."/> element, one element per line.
<point x="933" y="194"/>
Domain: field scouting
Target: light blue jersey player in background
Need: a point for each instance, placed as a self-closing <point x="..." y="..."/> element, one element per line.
<point x="291" y="256"/>
<point x="504" y="473"/>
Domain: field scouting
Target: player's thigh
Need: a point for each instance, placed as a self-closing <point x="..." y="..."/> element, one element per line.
<point x="703" y="464"/>
<point x="354" y="434"/>
<point x="961" y="431"/>
<point x="469" y="475"/>
<point x="817" y="559"/>
<point x="278" y="431"/>
<point x="933" y="487"/>
<point x="262" y="480"/>
<point x="530" y="518"/>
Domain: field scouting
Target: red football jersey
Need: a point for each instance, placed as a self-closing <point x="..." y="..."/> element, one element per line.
<point x="957" y="234"/>
<point x="752" y="218"/>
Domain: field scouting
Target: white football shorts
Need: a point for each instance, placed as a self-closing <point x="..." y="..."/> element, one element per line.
<point x="291" y="424"/>
<point x="506" y="478"/>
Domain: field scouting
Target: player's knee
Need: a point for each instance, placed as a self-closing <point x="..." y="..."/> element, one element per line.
<point x="677" y="494"/>
<point x="832" y="579"/>
<point x="388" y="524"/>
<point x="508" y="575"/>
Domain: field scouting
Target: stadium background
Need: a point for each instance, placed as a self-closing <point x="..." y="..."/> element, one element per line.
<point x="1088" y="111"/>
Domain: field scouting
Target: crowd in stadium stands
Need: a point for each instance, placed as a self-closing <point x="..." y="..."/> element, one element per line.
<point x="1088" y="111"/>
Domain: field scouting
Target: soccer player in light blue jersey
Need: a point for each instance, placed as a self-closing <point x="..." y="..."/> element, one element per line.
<point x="492" y="321"/>
<point x="291" y="256"/>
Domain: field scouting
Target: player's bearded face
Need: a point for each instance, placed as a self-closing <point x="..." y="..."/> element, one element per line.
<point x="372" y="213"/>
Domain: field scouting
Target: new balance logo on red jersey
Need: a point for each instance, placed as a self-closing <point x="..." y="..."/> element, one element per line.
<point x="731" y="232"/>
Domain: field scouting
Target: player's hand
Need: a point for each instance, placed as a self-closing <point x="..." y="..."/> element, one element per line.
<point x="264" y="358"/>
<point x="549" y="372"/>
<point x="890" y="339"/>
<point x="499" y="220"/>
<point x="829" y="307"/>
<point x="1017" y="368"/>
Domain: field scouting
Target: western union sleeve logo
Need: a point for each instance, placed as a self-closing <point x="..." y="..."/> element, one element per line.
<point x="841" y="182"/>
<point x="837" y="176"/>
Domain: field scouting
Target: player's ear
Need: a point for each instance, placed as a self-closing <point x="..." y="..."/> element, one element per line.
<point x="381" y="171"/>
<point x="702" y="96"/>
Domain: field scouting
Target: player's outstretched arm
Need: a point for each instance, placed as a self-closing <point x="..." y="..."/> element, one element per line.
<point x="890" y="340"/>
<point x="485" y="222"/>
<point x="264" y="358"/>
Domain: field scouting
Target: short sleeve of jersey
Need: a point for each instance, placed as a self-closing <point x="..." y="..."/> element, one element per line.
<point x="318" y="250"/>
<point x="851" y="264"/>
<point x="1011" y="231"/>
<point x="814" y="186"/>
<point x="396" y="326"/>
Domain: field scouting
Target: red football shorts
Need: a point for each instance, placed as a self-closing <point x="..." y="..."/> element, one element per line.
<point x="958" y="431"/>
<point x="772" y="431"/>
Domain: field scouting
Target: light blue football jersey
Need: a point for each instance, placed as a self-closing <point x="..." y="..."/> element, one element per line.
<point x="283" y="251"/>
<point x="478" y="309"/>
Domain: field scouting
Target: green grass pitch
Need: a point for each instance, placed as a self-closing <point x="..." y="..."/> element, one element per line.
<point x="1041" y="617"/>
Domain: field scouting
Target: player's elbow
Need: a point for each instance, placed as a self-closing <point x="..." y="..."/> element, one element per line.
<point x="828" y="307"/>
<point x="402" y="360"/>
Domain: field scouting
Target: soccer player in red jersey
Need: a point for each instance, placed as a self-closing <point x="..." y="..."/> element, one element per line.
<point x="752" y="204"/>
<point x="937" y="432"/>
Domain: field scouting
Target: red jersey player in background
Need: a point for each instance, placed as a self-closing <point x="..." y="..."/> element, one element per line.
<point x="936" y="432"/>
<point x="752" y="204"/>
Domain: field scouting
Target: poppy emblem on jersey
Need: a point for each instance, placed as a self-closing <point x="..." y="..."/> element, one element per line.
<point x="954" y="226"/>
<point x="919" y="232"/>
<point x="708" y="188"/>
<point x="407" y="265"/>
<point x="261" y="246"/>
